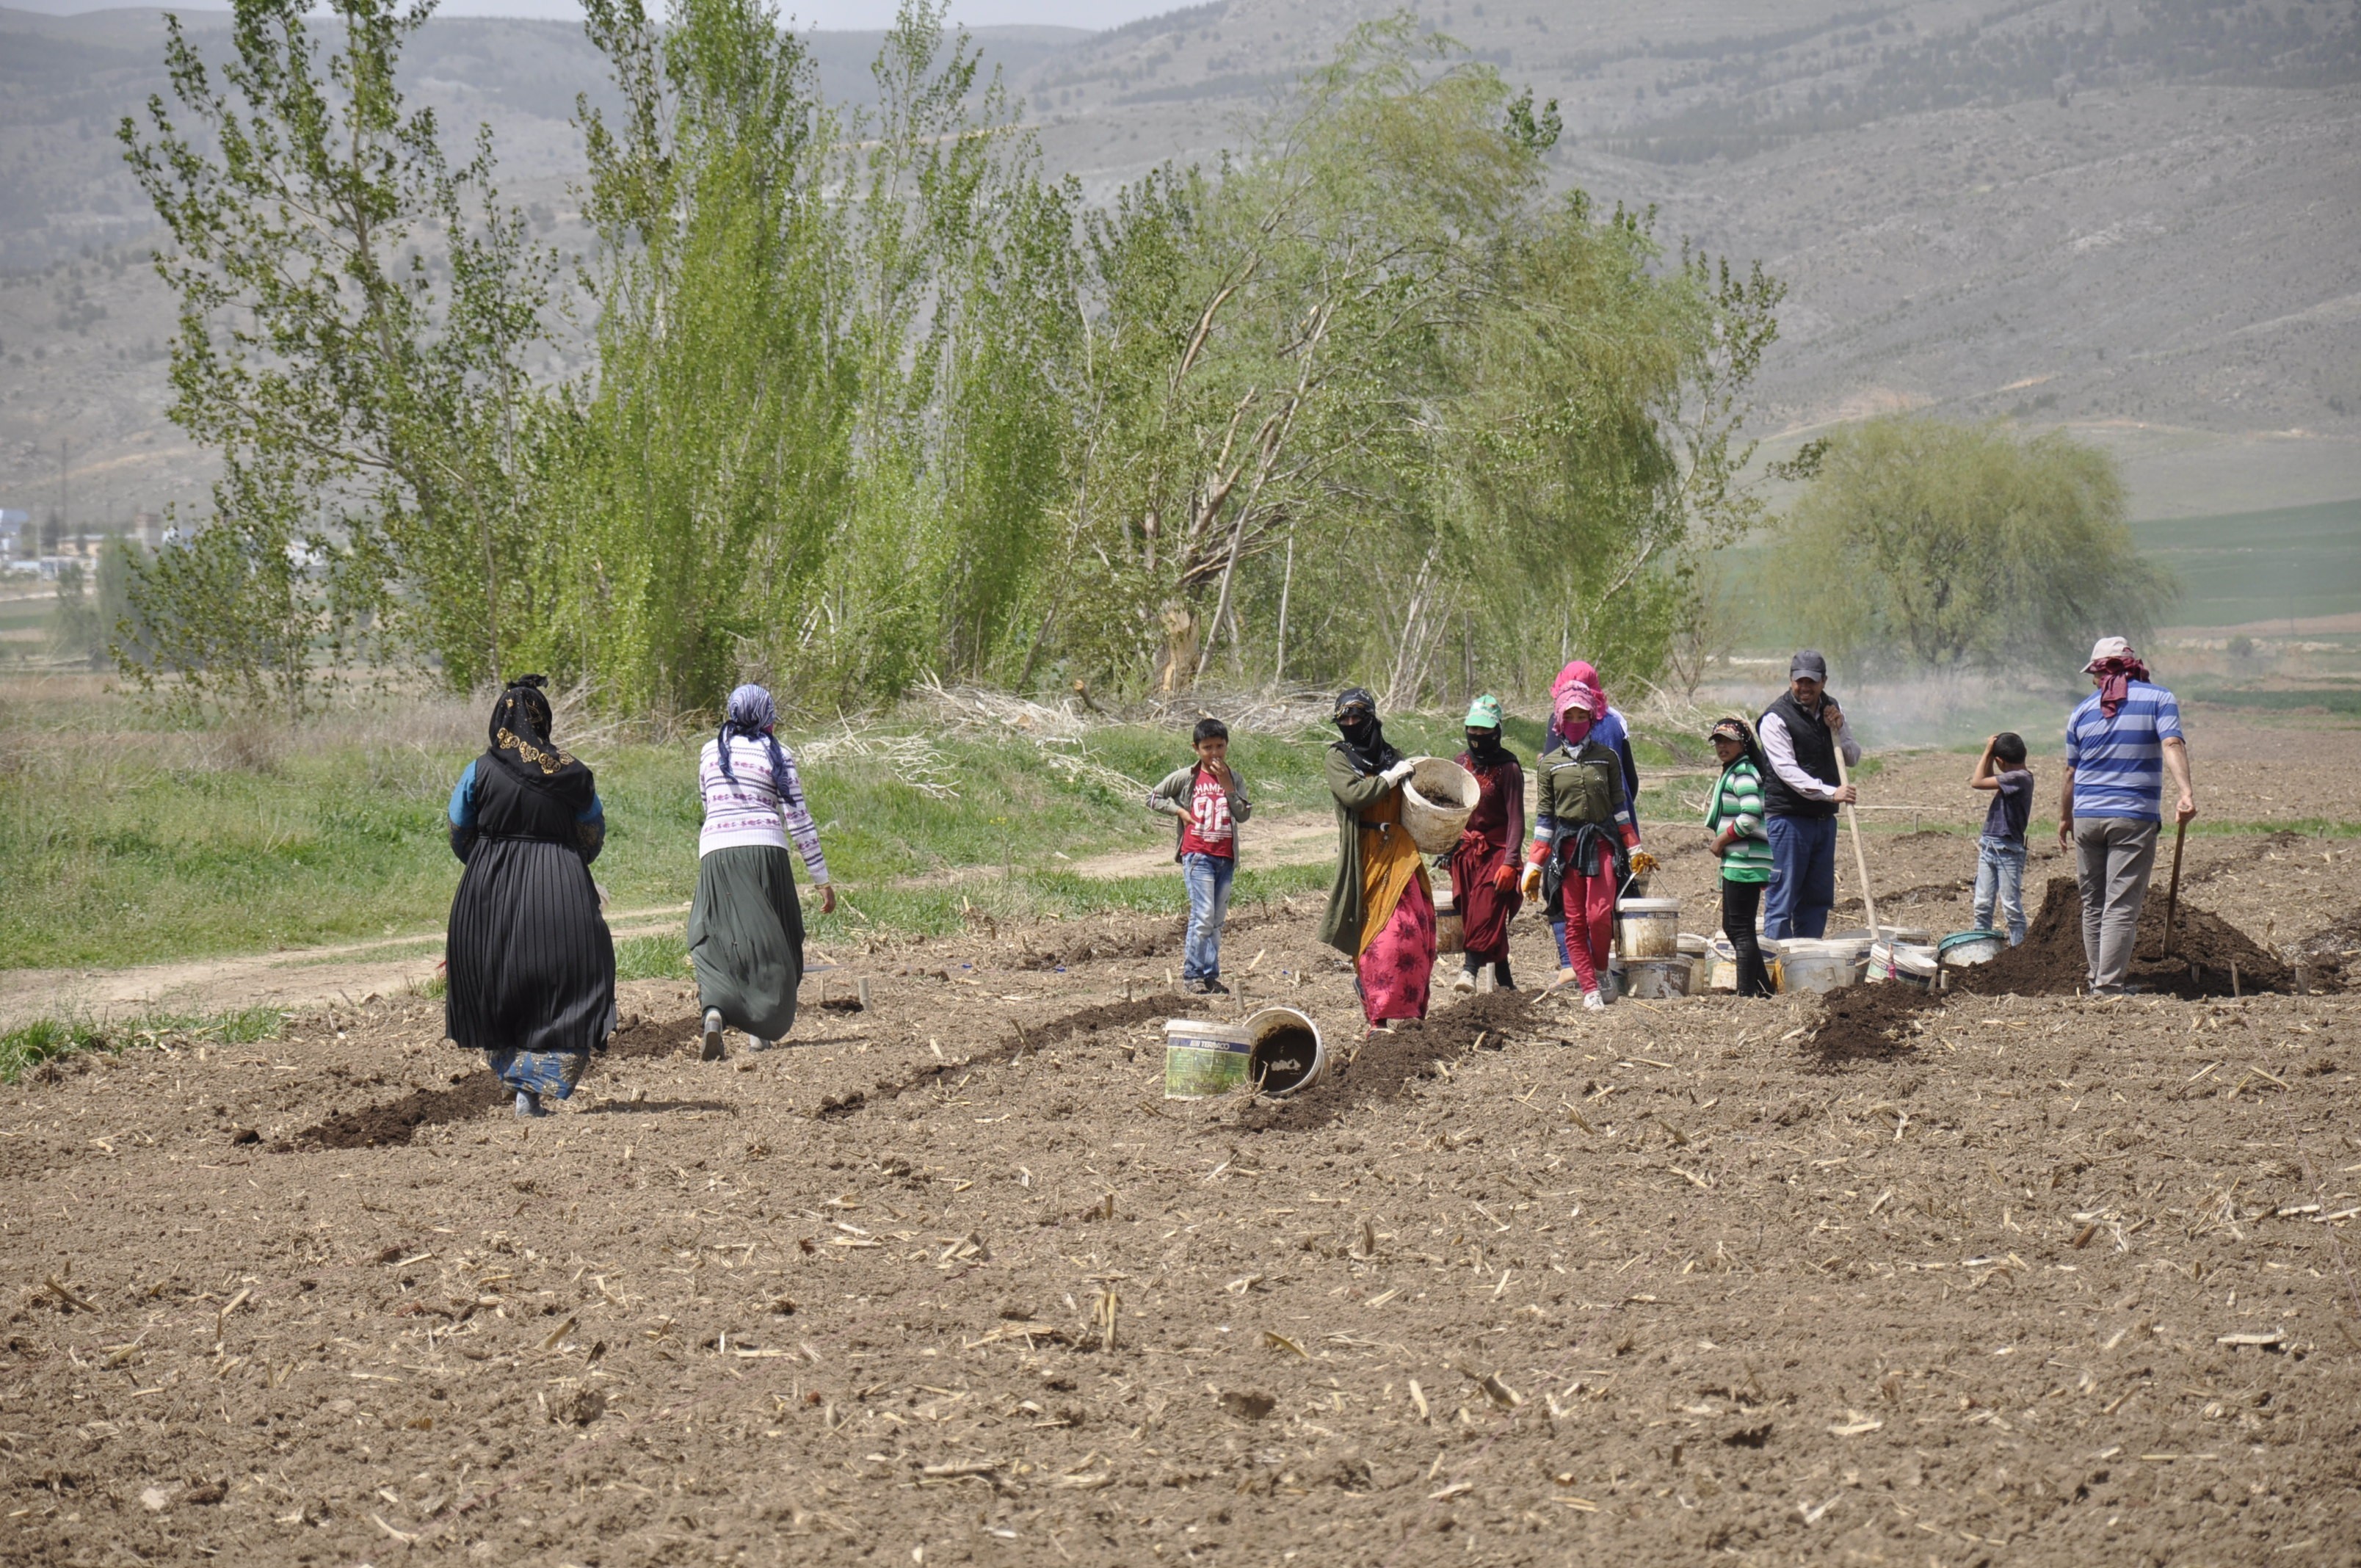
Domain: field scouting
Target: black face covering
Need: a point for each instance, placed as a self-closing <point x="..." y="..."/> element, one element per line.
<point x="1484" y="746"/>
<point x="1365" y="738"/>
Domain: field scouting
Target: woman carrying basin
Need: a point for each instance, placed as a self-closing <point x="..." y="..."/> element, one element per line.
<point x="1381" y="910"/>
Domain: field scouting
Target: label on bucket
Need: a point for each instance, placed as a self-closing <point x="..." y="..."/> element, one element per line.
<point x="1203" y="1059"/>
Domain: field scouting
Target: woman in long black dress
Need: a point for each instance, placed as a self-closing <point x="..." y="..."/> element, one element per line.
<point x="530" y="962"/>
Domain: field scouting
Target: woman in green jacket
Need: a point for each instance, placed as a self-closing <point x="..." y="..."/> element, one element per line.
<point x="1734" y="817"/>
<point x="1382" y="909"/>
<point x="1583" y="838"/>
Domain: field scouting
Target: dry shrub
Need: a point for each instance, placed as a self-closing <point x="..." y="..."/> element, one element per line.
<point x="250" y="744"/>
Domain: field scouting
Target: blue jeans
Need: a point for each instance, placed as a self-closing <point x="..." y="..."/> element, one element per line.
<point x="2000" y="872"/>
<point x="1209" y="905"/>
<point x="1803" y="877"/>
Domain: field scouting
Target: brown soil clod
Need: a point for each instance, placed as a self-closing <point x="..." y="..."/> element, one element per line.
<point x="1867" y="1023"/>
<point x="397" y="1121"/>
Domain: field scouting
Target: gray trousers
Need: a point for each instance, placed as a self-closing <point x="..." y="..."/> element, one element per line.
<point x="2113" y="857"/>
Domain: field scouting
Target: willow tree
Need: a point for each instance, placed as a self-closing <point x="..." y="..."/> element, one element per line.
<point x="1594" y="452"/>
<point x="1270" y="337"/>
<point x="1367" y="392"/>
<point x="1946" y="546"/>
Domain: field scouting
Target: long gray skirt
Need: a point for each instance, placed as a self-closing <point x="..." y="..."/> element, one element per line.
<point x="746" y="938"/>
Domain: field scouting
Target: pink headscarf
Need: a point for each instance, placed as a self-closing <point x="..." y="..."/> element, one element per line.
<point x="1577" y="676"/>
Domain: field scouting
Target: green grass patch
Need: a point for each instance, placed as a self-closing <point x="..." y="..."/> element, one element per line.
<point x="2287" y="563"/>
<point x="26" y="1048"/>
<point x="146" y="845"/>
<point x="2343" y="701"/>
<point x="650" y="958"/>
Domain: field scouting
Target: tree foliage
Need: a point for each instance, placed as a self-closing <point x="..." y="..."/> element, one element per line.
<point x="371" y="406"/>
<point x="1951" y="546"/>
<point x="876" y="398"/>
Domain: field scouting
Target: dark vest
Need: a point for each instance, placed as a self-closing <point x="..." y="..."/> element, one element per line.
<point x="1815" y="753"/>
<point x="507" y="807"/>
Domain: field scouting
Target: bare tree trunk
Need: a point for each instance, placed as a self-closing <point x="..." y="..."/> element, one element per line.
<point x="1286" y="586"/>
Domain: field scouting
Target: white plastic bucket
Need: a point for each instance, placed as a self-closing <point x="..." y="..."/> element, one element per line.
<point x="1820" y="971"/>
<point x="1656" y="979"/>
<point x="1450" y="928"/>
<point x="1437" y="799"/>
<point x="1901" y="962"/>
<point x="1649" y="928"/>
<point x="1285" y="1054"/>
<point x="1962" y="949"/>
<point x="1202" y="1058"/>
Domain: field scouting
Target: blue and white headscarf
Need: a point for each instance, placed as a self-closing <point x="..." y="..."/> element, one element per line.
<point x="753" y="714"/>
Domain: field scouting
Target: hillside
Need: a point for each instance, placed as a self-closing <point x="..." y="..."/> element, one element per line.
<point x="2134" y="220"/>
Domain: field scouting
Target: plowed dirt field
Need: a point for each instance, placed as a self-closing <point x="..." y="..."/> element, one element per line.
<point x="2036" y="1280"/>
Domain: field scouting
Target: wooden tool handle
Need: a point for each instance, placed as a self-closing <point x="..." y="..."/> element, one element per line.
<point x="2172" y="897"/>
<point x="1859" y="860"/>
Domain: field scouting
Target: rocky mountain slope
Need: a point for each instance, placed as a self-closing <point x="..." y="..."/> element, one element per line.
<point x="2133" y="219"/>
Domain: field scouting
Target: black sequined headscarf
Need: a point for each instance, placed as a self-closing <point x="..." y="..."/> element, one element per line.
<point x="521" y="743"/>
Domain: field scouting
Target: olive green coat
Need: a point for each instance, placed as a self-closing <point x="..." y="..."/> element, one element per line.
<point x="1353" y="790"/>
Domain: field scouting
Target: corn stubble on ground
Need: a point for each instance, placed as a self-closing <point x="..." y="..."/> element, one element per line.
<point x="2035" y="1280"/>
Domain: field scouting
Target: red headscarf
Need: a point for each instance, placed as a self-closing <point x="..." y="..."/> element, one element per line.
<point x="2116" y="678"/>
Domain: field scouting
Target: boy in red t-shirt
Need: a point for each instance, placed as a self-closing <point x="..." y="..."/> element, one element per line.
<point x="1210" y="803"/>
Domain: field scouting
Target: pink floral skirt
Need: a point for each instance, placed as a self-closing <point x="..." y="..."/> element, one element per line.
<point x="1396" y="968"/>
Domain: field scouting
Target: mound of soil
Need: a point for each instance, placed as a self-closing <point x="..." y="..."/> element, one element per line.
<point x="640" y="1036"/>
<point x="1380" y="1069"/>
<point x="1018" y="1041"/>
<point x="1102" y="948"/>
<point x="1870" y="1022"/>
<point x="2340" y="939"/>
<point x="2050" y="962"/>
<point x="1867" y="1023"/>
<point x="397" y="1121"/>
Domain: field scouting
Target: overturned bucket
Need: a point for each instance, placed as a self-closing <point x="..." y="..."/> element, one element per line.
<point x="1285" y="1054"/>
<point x="1203" y="1059"/>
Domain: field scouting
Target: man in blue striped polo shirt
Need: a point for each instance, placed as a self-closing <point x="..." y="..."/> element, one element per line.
<point x="2120" y="745"/>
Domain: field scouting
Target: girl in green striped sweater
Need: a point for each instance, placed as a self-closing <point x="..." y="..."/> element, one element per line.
<point x="1734" y="817"/>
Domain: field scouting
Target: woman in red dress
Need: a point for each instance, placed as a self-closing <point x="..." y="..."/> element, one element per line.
<point x="1483" y="862"/>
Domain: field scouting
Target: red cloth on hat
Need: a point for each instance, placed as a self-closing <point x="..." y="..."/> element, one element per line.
<point x="2116" y="678"/>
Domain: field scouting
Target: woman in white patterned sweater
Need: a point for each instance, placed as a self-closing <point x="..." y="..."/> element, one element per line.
<point x="746" y="927"/>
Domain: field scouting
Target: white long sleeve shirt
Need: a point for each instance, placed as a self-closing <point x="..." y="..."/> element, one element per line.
<point x="750" y="807"/>
<point x="1779" y="750"/>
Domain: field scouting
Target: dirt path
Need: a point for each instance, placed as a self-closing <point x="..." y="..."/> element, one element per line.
<point x="1294" y="839"/>
<point x="294" y="979"/>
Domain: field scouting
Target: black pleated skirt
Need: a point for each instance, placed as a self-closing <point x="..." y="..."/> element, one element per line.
<point x="746" y="938"/>
<point x="532" y="965"/>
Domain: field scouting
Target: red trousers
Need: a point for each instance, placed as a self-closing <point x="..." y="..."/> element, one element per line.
<point x="1589" y="905"/>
